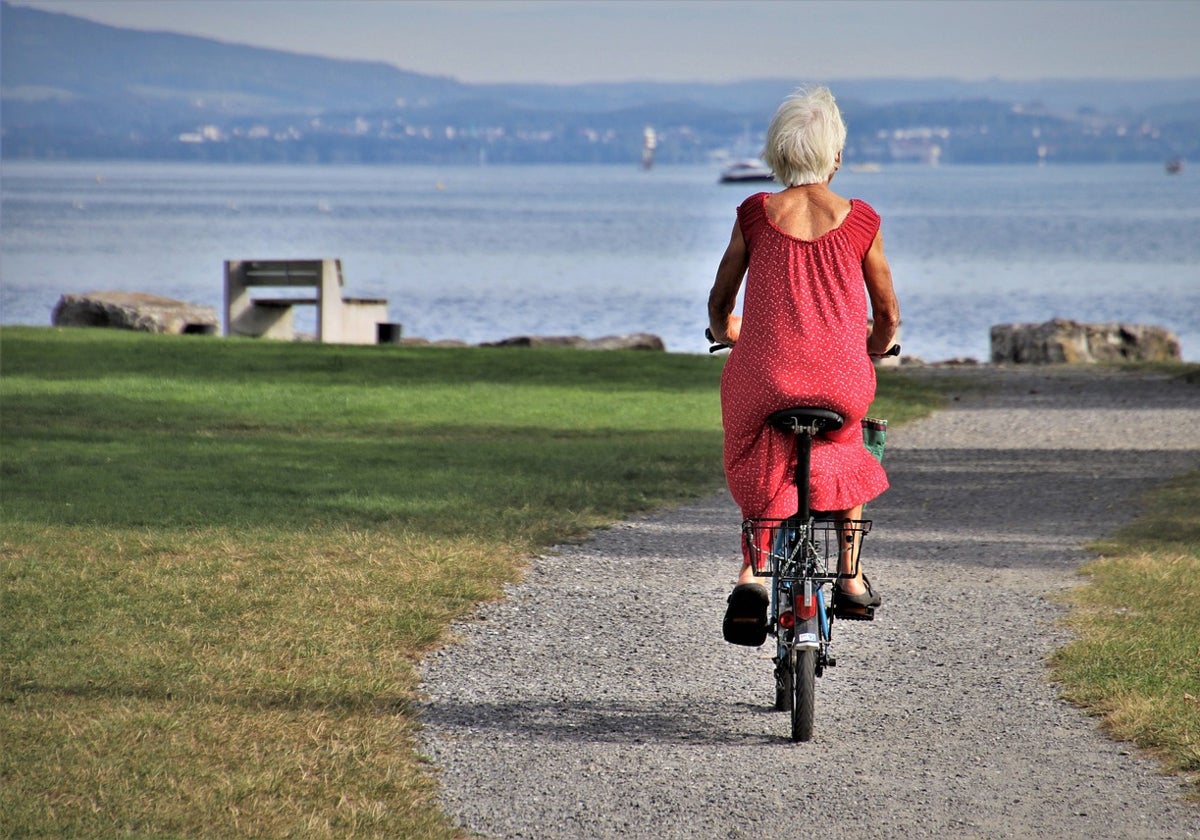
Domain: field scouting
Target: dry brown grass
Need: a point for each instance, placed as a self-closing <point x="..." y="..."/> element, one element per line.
<point x="210" y="685"/>
<point x="1136" y="659"/>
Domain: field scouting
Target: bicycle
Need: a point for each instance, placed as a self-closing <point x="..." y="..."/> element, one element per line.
<point x="802" y="554"/>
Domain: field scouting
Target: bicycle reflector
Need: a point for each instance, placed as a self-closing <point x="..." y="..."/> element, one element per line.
<point x="808" y="605"/>
<point x="787" y="620"/>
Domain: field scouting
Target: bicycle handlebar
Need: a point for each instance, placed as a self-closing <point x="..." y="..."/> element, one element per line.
<point x="717" y="346"/>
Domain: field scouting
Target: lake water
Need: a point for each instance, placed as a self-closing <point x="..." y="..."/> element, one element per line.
<point x="482" y="253"/>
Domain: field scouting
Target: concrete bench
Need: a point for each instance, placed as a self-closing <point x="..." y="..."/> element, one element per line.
<point x="340" y="320"/>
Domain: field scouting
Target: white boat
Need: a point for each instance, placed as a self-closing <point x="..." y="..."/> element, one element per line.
<point x="649" y="144"/>
<point x="746" y="170"/>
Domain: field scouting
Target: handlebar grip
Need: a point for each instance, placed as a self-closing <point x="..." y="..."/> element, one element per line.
<point x="716" y="345"/>
<point x="894" y="350"/>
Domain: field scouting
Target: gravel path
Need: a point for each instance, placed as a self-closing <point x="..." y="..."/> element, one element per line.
<point x="598" y="700"/>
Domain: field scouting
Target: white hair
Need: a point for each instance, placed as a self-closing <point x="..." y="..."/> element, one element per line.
<point x="804" y="138"/>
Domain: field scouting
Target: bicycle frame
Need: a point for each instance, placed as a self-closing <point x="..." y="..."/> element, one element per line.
<point x="804" y="558"/>
<point x="802" y="561"/>
<point x="795" y="553"/>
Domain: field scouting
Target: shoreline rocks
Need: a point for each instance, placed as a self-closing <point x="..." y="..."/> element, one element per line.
<point x="1061" y="341"/>
<point x="1058" y="341"/>
<point x="137" y="311"/>
<point x="633" y="341"/>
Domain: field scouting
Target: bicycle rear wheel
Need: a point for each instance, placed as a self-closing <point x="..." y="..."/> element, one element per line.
<point x="803" y="690"/>
<point x="783" y="689"/>
<point x="783" y="672"/>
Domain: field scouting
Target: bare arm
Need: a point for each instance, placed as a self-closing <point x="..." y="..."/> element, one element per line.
<point x="885" y="309"/>
<point x="726" y="326"/>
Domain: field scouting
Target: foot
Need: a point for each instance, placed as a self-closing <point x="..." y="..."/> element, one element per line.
<point x="858" y="592"/>
<point x="746" y="617"/>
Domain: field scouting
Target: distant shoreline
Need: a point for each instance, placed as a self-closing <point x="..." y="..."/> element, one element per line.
<point x="962" y="364"/>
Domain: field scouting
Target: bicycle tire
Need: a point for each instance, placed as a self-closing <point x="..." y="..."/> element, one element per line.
<point x="783" y="690"/>
<point x="783" y="677"/>
<point x="803" y="692"/>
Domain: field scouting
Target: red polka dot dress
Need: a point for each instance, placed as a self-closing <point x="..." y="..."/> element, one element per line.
<point x="803" y="342"/>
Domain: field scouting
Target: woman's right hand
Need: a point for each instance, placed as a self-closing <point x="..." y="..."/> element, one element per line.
<point x="880" y="346"/>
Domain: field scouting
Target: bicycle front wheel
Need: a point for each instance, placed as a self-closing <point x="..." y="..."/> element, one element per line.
<point x="803" y="690"/>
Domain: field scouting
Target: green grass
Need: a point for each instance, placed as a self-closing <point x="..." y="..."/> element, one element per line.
<point x="1136" y="659"/>
<point x="220" y="559"/>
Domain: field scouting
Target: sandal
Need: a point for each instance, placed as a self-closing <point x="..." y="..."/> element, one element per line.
<point x="746" y="617"/>
<point x="861" y="606"/>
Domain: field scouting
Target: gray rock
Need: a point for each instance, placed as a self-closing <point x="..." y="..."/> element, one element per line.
<point x="634" y="341"/>
<point x="134" y="311"/>
<point x="538" y="341"/>
<point x="425" y="342"/>
<point x="1061" y="341"/>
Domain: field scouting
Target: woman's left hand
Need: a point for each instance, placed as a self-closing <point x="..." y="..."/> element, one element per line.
<point x="729" y="335"/>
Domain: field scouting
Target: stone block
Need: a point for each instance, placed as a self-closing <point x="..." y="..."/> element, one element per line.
<point x="1062" y="341"/>
<point x="134" y="311"/>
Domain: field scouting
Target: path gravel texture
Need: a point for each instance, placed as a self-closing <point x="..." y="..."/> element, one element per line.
<point x="598" y="699"/>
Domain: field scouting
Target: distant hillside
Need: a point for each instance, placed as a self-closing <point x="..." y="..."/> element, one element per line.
<point x="57" y="57"/>
<point x="71" y="88"/>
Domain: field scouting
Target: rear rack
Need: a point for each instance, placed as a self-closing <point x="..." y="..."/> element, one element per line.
<point x="775" y="547"/>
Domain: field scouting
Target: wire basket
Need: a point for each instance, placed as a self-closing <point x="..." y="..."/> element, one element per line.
<point x="777" y="548"/>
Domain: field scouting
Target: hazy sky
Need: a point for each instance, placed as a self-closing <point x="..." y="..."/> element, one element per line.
<point x="569" y="41"/>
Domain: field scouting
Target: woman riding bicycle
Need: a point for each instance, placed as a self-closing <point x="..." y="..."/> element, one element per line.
<point x="810" y="259"/>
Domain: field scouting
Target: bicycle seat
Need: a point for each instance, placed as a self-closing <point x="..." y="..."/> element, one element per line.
<point x="794" y="419"/>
